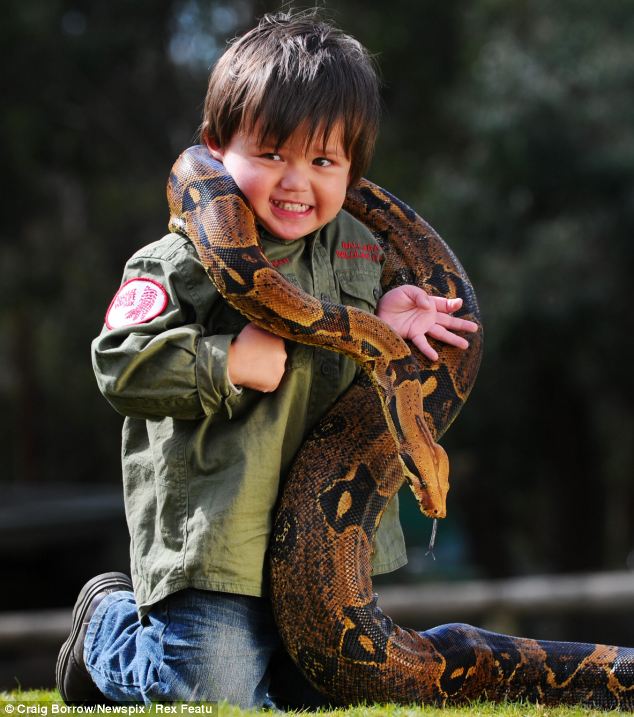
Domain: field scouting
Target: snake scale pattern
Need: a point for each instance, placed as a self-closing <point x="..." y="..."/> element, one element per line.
<point x="332" y="501"/>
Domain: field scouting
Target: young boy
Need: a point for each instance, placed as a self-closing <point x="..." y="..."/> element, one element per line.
<point x="216" y="407"/>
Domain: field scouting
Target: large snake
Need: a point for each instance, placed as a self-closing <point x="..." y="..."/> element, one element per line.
<point x="333" y="499"/>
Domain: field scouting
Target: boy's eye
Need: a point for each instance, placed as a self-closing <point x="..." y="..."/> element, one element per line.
<point x="274" y="156"/>
<point x="322" y="162"/>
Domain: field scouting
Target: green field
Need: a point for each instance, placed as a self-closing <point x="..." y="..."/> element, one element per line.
<point x="18" y="703"/>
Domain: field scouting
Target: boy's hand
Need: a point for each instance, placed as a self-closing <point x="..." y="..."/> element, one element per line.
<point x="410" y="312"/>
<point x="256" y="359"/>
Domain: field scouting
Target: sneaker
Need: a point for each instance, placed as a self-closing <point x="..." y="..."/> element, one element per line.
<point x="73" y="680"/>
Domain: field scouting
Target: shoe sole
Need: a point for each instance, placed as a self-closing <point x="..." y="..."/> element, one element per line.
<point x="91" y="589"/>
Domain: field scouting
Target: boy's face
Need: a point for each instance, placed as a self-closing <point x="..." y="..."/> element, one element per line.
<point x="293" y="190"/>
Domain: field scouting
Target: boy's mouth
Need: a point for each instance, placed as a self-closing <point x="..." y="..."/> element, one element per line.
<point x="292" y="207"/>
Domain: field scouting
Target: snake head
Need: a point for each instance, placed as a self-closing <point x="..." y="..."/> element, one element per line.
<point x="428" y="477"/>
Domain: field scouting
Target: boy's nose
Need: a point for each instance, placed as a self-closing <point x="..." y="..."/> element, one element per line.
<point x="294" y="180"/>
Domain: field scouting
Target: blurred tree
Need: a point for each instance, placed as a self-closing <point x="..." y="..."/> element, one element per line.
<point x="537" y="194"/>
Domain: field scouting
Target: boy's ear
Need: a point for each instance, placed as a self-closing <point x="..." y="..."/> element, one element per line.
<point x="214" y="149"/>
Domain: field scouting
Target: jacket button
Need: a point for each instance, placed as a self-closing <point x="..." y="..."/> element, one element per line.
<point x="328" y="369"/>
<point x="377" y="292"/>
<point x="324" y="297"/>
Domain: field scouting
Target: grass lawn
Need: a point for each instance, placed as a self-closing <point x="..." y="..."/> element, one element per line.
<point x="10" y="701"/>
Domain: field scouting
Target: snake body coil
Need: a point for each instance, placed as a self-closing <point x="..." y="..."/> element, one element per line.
<point x="333" y="499"/>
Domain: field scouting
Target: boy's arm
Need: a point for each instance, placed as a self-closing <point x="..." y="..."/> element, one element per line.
<point x="164" y="364"/>
<point x="414" y="315"/>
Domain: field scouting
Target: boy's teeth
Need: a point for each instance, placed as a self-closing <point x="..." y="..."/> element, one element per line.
<point x="291" y="206"/>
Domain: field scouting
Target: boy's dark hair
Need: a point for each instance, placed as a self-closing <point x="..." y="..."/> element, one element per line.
<point x="295" y="70"/>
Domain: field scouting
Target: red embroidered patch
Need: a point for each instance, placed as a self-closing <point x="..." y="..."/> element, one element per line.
<point x="137" y="302"/>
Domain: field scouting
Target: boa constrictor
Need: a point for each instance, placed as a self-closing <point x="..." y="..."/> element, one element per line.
<point x="332" y="501"/>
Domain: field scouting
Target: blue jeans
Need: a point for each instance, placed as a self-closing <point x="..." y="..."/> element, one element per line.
<point x="195" y="645"/>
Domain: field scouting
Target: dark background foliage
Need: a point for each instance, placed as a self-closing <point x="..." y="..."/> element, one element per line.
<point x="509" y="126"/>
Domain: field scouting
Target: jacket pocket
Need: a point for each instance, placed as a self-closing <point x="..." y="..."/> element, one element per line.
<point x="359" y="289"/>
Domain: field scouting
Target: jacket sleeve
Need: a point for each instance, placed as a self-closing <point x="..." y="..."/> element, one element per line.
<point x="170" y="364"/>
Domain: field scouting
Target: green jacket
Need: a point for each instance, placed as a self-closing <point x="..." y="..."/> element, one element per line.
<point x="202" y="461"/>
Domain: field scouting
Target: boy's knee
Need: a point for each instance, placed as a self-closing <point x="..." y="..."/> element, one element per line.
<point x="237" y="683"/>
<point x="210" y="652"/>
